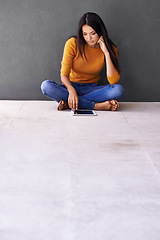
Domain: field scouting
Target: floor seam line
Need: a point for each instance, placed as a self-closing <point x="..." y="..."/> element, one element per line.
<point x="15" y="116"/>
<point x="125" y="118"/>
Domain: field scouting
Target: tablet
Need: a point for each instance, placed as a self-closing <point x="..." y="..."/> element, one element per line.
<point x="83" y="112"/>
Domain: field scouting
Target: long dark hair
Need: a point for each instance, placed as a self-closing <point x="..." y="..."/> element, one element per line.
<point x="94" y="21"/>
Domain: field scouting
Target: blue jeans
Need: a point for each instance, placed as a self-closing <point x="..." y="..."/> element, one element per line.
<point x="88" y="93"/>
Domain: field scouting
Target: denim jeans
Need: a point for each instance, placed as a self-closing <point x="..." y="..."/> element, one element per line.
<point x="88" y="93"/>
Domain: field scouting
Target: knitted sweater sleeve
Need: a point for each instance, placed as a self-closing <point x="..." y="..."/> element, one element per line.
<point x="68" y="56"/>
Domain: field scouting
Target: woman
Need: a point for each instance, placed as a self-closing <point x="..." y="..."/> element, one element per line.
<point x="84" y="57"/>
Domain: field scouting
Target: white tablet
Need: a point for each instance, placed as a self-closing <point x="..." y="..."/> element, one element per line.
<point x="83" y="112"/>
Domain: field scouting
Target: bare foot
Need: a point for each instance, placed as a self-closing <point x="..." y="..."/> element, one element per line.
<point x="111" y="105"/>
<point x="62" y="105"/>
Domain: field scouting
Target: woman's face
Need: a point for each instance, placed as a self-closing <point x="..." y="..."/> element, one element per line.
<point x="90" y="35"/>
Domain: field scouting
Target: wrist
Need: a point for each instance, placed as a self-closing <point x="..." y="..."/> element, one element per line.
<point x="107" y="55"/>
<point x="70" y="89"/>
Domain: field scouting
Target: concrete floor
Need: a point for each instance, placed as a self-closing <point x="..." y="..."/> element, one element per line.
<point x="79" y="178"/>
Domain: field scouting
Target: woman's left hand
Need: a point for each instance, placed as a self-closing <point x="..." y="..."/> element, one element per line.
<point x="102" y="45"/>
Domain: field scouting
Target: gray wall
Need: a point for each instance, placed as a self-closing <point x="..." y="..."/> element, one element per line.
<point x="33" y="34"/>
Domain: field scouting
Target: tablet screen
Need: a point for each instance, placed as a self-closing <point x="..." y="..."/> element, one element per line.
<point x="83" y="112"/>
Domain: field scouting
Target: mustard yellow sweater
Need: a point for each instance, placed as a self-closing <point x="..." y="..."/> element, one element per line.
<point x="81" y="70"/>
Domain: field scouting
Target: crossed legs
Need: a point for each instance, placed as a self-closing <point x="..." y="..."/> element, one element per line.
<point x="91" y="96"/>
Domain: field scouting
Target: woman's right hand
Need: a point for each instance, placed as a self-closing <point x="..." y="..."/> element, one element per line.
<point x="73" y="99"/>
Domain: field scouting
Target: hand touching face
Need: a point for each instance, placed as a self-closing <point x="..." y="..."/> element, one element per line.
<point x="102" y="45"/>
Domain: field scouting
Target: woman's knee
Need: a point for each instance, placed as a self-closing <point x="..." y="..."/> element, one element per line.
<point x="119" y="90"/>
<point x="45" y="85"/>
